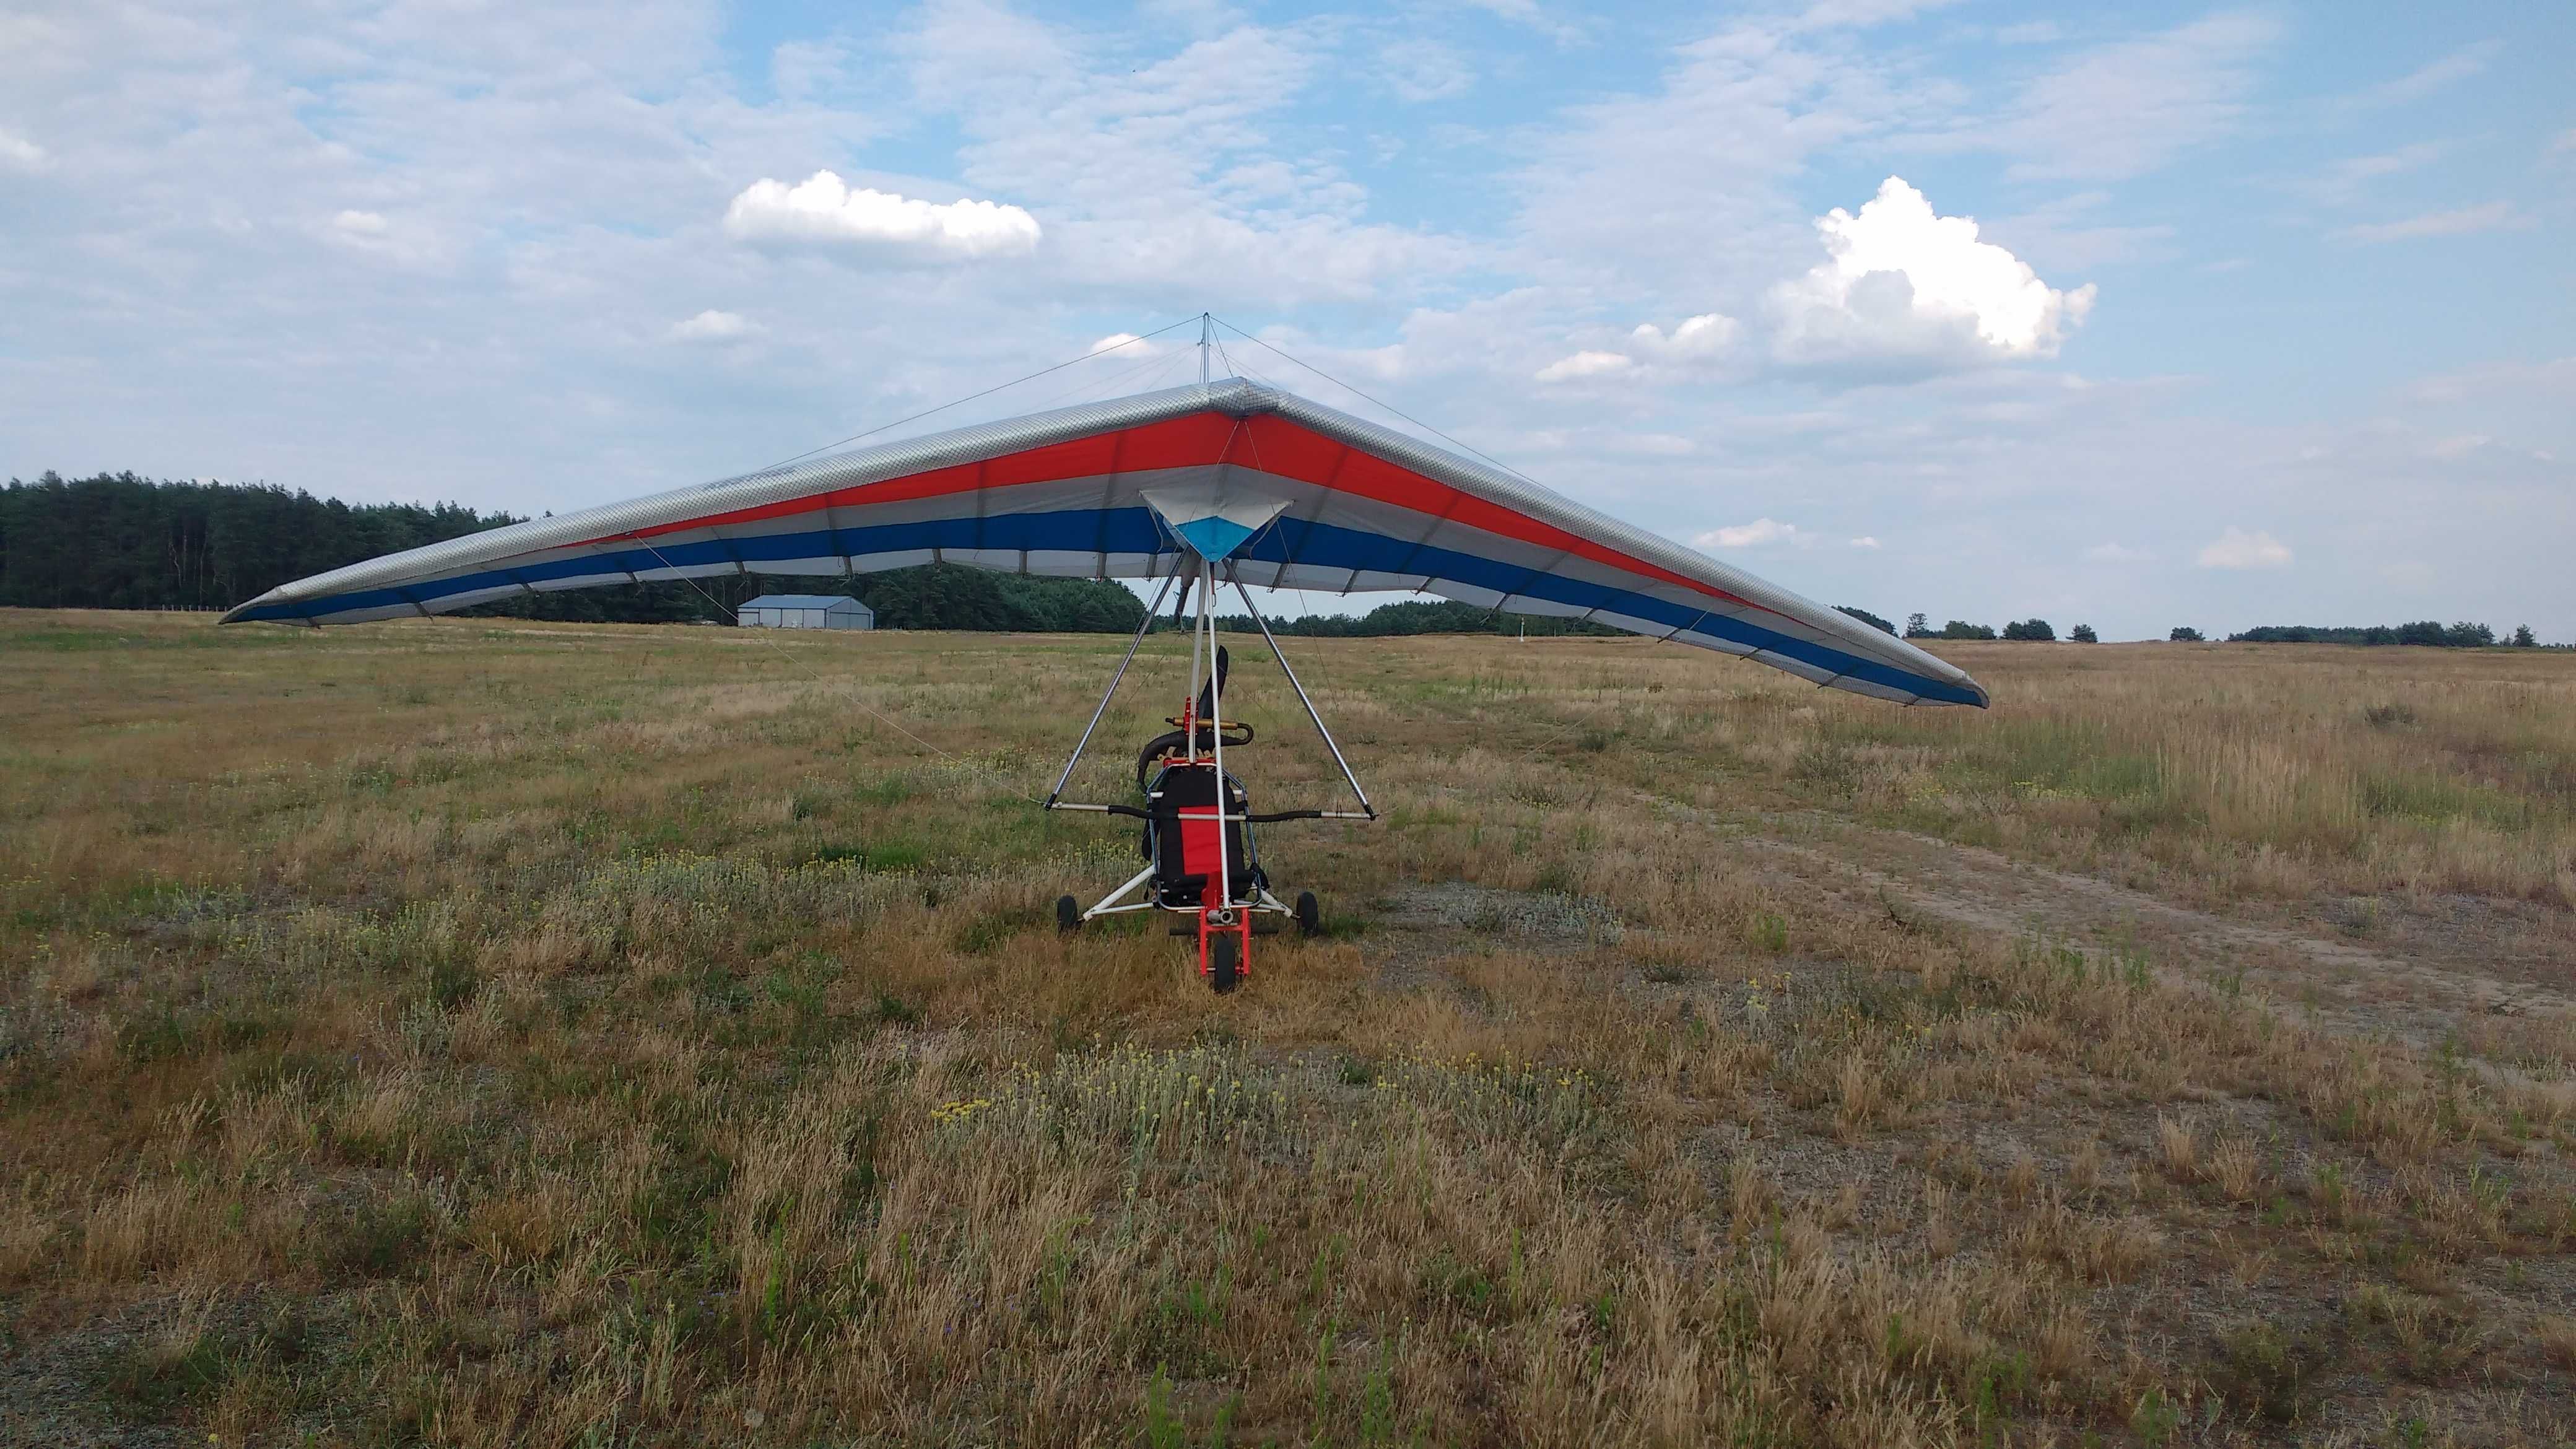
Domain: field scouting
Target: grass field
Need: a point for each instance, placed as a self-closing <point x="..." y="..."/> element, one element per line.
<point x="485" y="1033"/>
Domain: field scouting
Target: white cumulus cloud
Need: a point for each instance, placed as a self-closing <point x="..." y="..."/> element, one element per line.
<point x="1759" y="532"/>
<point x="1864" y="541"/>
<point x="712" y="325"/>
<point x="1901" y="282"/>
<point x="823" y="210"/>
<point x="1587" y="364"/>
<point x="1124" y="344"/>
<point x="2237" y="549"/>
<point x="1695" y="339"/>
<point x="2117" y="553"/>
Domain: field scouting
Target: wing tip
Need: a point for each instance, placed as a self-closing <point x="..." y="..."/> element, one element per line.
<point x="250" y="611"/>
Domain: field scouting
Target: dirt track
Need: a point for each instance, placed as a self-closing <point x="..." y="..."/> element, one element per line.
<point x="2424" y="991"/>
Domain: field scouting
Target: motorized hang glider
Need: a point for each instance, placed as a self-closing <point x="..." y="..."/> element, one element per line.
<point x="1229" y="482"/>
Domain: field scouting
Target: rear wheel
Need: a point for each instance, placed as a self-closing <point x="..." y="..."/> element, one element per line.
<point x="1225" y="963"/>
<point x="1310" y="916"/>
<point x="1068" y="915"/>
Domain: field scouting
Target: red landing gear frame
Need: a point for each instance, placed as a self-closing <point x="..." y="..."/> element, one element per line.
<point x="1206" y="868"/>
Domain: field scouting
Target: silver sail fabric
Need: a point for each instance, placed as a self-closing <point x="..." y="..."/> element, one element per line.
<point x="1342" y="506"/>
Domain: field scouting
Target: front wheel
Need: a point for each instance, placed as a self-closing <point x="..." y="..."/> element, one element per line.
<point x="1068" y="915"/>
<point x="1310" y="916"/>
<point x="1225" y="963"/>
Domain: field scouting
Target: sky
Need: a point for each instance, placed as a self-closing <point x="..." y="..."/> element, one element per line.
<point x="2135" y="316"/>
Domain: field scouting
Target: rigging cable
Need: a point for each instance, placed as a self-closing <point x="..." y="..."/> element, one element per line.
<point x="988" y="392"/>
<point x="1390" y="407"/>
<point x="1551" y="736"/>
<point x="798" y="665"/>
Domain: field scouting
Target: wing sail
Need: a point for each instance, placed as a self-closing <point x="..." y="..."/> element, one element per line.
<point x="1334" y="504"/>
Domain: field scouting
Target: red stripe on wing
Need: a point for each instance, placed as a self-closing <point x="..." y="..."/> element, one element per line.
<point x="1265" y="442"/>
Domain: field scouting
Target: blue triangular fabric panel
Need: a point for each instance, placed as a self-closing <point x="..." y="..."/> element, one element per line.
<point x="1214" y="537"/>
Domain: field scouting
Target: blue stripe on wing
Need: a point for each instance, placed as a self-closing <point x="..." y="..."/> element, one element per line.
<point x="1132" y="531"/>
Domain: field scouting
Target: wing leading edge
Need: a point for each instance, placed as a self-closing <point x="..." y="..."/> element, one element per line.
<point x="1349" y="507"/>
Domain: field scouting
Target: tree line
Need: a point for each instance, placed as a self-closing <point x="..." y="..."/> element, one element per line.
<point x="1918" y="626"/>
<point x="2424" y="632"/>
<point x="123" y="541"/>
<point x="120" y="541"/>
<point x="2427" y="632"/>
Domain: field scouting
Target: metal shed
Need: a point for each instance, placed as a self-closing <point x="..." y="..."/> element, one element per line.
<point x="806" y="611"/>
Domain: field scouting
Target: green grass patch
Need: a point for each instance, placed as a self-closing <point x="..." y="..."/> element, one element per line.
<point x="2041" y="758"/>
<point x="156" y="1383"/>
<point x="885" y="791"/>
<point x="2435" y="800"/>
<point x="885" y="858"/>
<point x="990" y="931"/>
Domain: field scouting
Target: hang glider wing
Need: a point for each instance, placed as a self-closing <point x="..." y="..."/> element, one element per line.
<point x="1284" y="492"/>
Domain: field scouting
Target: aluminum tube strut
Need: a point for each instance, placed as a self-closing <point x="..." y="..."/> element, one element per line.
<point x="1198" y="627"/>
<point x="1109" y="902"/>
<point x="1216" y="730"/>
<point x="1311" y="713"/>
<point x="1132" y="645"/>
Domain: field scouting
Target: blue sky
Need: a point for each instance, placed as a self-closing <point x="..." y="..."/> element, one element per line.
<point x="2134" y="316"/>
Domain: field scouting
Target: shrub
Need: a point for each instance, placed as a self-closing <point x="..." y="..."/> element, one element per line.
<point x="1962" y="629"/>
<point x="2084" y="635"/>
<point x="1866" y="617"/>
<point x="2031" y="630"/>
<point x="2184" y="634"/>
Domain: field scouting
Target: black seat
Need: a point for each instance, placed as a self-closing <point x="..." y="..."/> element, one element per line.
<point x="1182" y="850"/>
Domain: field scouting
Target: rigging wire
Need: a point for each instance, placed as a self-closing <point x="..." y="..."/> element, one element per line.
<point x="1159" y="364"/>
<point x="842" y="690"/>
<point x="988" y="392"/>
<point x="1390" y="407"/>
<point x="1304" y="605"/>
<point x="1165" y="363"/>
<point x="1426" y="427"/>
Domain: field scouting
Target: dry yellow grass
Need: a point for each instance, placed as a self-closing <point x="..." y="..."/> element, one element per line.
<point x="490" y="1034"/>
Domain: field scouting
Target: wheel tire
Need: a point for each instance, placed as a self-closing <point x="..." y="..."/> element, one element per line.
<point x="1225" y="963"/>
<point x="1310" y="916"/>
<point x="1068" y="916"/>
